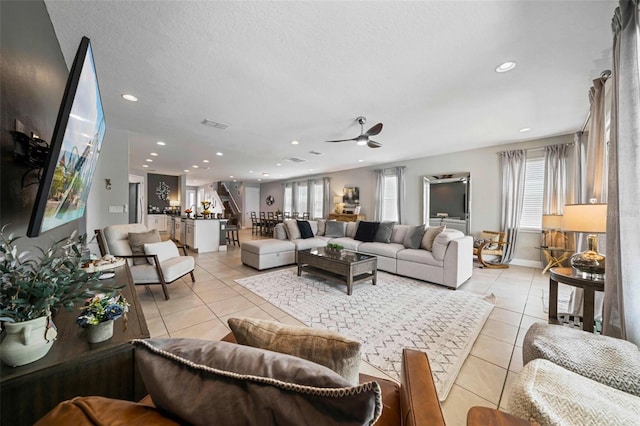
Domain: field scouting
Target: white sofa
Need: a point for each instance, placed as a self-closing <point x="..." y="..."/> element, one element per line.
<point x="449" y="263"/>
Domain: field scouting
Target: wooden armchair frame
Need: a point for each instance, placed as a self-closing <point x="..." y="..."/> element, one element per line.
<point x="482" y="250"/>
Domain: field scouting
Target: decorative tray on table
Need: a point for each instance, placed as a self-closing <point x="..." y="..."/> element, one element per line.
<point x="107" y="262"/>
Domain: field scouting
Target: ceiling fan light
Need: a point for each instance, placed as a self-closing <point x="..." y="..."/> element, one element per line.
<point x="361" y="142"/>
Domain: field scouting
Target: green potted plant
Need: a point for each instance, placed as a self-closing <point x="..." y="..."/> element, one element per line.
<point x="31" y="286"/>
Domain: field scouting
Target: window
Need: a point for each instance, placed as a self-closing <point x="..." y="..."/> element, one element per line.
<point x="318" y="198"/>
<point x="533" y="194"/>
<point x="390" y="199"/>
<point x="302" y="198"/>
<point x="288" y="198"/>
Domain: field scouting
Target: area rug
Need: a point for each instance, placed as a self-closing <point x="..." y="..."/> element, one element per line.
<point x="396" y="313"/>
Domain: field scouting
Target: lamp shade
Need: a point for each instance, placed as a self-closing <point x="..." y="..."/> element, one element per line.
<point x="551" y="221"/>
<point x="585" y="218"/>
<point x="337" y="199"/>
<point x="174" y="203"/>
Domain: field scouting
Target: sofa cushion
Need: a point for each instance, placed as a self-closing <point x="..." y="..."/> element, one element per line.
<point x="419" y="256"/>
<point x="268" y="246"/>
<point x="335" y="229"/>
<point x="322" y="225"/>
<point x="305" y="229"/>
<point x="293" y="232"/>
<point x="381" y="249"/>
<point x="327" y="348"/>
<point x="172" y="269"/>
<point x="383" y="234"/>
<point x="236" y="384"/>
<point x="366" y="231"/>
<point x="309" y="243"/>
<point x="164" y="250"/>
<point x="279" y="231"/>
<point x="430" y="234"/>
<point x="398" y="233"/>
<point x="137" y="240"/>
<point x="442" y="240"/>
<point x="347" y="243"/>
<point x="351" y="229"/>
<point x="413" y="238"/>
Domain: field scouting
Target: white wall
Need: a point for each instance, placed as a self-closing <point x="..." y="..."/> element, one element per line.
<point x="484" y="166"/>
<point x="112" y="164"/>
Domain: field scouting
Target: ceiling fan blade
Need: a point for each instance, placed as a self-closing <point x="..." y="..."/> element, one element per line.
<point x="342" y="140"/>
<point x="373" y="144"/>
<point x="374" y="130"/>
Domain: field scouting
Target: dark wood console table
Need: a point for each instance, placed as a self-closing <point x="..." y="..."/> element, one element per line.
<point x="590" y="286"/>
<point x="74" y="367"/>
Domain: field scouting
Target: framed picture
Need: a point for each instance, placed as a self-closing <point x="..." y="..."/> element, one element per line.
<point x="351" y="196"/>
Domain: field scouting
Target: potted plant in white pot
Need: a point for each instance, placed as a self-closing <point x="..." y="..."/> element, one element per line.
<point x="31" y="287"/>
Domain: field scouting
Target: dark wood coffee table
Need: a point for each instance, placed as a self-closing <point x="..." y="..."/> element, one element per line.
<point x="345" y="267"/>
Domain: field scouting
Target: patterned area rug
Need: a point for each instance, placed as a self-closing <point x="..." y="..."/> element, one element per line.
<point x="396" y="313"/>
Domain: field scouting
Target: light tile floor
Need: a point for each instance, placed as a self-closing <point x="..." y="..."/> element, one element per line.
<point x="201" y="309"/>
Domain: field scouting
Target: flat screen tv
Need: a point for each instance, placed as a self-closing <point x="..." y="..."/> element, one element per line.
<point x="74" y="149"/>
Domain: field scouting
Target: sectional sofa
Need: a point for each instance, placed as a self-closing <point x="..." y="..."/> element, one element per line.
<point x="434" y="254"/>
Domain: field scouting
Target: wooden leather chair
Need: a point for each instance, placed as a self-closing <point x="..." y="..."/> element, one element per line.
<point x="491" y="244"/>
<point x="114" y="239"/>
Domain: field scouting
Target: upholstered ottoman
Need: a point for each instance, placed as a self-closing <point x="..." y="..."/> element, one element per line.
<point x="612" y="362"/>
<point x="264" y="254"/>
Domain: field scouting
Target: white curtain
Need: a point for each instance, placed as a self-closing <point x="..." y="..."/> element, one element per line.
<point x="514" y="164"/>
<point x="596" y="173"/>
<point x="294" y="197"/>
<point x="379" y="195"/>
<point x="401" y="194"/>
<point x="555" y="178"/>
<point x="326" y="196"/>
<point x="622" y="280"/>
<point x="311" y="197"/>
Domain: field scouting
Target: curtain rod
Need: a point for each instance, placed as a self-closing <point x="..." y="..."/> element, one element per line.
<point x="538" y="148"/>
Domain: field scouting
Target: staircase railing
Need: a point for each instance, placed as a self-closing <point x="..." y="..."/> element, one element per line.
<point x="232" y="202"/>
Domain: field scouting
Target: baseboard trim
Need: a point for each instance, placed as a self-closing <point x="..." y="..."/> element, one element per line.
<point x="527" y="263"/>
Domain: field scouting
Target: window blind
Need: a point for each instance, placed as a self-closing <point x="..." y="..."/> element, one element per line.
<point x="533" y="194"/>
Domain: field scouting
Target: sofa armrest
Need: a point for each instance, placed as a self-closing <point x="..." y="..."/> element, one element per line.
<point x="458" y="261"/>
<point x="418" y="397"/>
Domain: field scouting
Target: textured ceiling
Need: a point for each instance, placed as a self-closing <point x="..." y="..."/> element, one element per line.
<point x="282" y="71"/>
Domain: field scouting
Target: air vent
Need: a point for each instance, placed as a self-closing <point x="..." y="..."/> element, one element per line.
<point x="316" y="153"/>
<point x="214" y="124"/>
<point x="295" y="160"/>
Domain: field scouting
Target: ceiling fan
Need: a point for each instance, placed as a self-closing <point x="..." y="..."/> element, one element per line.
<point x="363" y="139"/>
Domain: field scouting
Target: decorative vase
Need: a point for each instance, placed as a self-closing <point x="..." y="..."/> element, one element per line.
<point x="100" y="332"/>
<point x="27" y="341"/>
<point x="590" y="262"/>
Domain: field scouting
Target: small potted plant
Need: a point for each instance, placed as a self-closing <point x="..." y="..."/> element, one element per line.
<point x="99" y="313"/>
<point x="334" y="248"/>
<point x="31" y="287"/>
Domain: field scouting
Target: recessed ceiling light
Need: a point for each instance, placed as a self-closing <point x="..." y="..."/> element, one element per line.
<point x="265" y="174"/>
<point x="205" y="161"/>
<point x="310" y="170"/>
<point x="250" y="171"/>
<point x="230" y="177"/>
<point x="145" y="165"/>
<point x="155" y="154"/>
<point x="186" y="170"/>
<point x="219" y="154"/>
<point x="294" y="142"/>
<point x="278" y="164"/>
<point x="507" y="66"/>
<point x="259" y="180"/>
<point x="360" y="161"/>
<point x="161" y="143"/>
<point x="194" y="166"/>
<point x="525" y="129"/>
<point x="149" y="160"/>
<point x="235" y="180"/>
<point x="129" y="97"/>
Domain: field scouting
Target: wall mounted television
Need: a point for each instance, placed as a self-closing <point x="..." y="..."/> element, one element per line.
<point x="74" y="149"/>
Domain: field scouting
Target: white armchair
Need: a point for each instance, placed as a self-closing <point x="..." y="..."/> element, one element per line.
<point x="163" y="263"/>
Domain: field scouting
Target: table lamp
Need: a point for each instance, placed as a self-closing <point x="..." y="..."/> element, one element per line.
<point x="591" y="219"/>
<point x="551" y="224"/>
<point x="337" y="200"/>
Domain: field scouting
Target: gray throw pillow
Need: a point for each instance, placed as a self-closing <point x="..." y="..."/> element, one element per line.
<point x="219" y="383"/>
<point x="413" y="239"/>
<point x="292" y="229"/>
<point x="327" y="348"/>
<point x="137" y="240"/>
<point x="335" y="229"/>
<point x="383" y="234"/>
<point x="279" y="231"/>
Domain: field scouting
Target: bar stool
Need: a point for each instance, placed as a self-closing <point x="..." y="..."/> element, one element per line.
<point x="232" y="235"/>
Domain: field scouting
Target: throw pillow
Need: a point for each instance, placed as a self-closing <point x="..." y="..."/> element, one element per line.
<point x="314" y="226"/>
<point x="351" y="229"/>
<point x="327" y="348"/>
<point x="164" y="250"/>
<point x="413" y="239"/>
<point x="398" y="233"/>
<point x="280" y="231"/>
<point x="292" y="229"/>
<point x="383" y="234"/>
<point x="305" y="229"/>
<point x="335" y="229"/>
<point x="366" y="231"/>
<point x="321" y="227"/>
<point x="430" y="234"/>
<point x="441" y="242"/>
<point x="236" y="384"/>
<point x="137" y="240"/>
